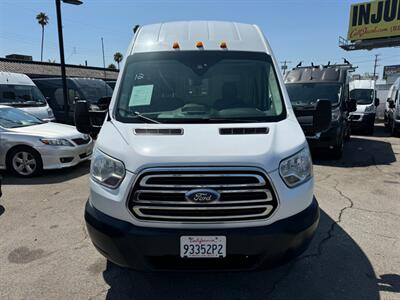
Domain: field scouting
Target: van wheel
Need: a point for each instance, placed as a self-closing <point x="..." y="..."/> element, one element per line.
<point x="370" y="130"/>
<point x="337" y="151"/>
<point x="394" y="131"/>
<point x="24" y="161"/>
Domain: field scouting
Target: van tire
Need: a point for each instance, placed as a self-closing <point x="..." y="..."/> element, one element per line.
<point x="394" y="130"/>
<point x="22" y="152"/>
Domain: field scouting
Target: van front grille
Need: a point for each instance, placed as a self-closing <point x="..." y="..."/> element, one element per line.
<point x="161" y="195"/>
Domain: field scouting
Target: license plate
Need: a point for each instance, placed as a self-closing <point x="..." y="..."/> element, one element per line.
<point x="203" y="246"/>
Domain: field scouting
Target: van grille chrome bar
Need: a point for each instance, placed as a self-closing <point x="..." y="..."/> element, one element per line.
<point x="161" y="195"/>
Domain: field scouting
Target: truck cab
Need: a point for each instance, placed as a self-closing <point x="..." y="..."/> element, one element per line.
<point x="308" y="85"/>
<point x="200" y="162"/>
<point x="364" y="93"/>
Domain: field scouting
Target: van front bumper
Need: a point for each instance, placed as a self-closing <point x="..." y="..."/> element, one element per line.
<point x="326" y="139"/>
<point x="145" y="248"/>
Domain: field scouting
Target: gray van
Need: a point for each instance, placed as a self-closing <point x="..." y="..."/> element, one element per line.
<point x="89" y="89"/>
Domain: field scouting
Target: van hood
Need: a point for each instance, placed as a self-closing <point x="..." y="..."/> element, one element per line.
<point x="201" y="144"/>
<point x="40" y="112"/>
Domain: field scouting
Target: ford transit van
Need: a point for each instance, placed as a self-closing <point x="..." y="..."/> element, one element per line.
<point x="201" y="162"/>
<point x="306" y="85"/>
<point x="364" y="93"/>
<point x="392" y="109"/>
<point x="18" y="90"/>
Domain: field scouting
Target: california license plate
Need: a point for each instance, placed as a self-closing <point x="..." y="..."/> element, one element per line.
<point x="203" y="246"/>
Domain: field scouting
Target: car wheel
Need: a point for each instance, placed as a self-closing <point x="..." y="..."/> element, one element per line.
<point x="24" y="161"/>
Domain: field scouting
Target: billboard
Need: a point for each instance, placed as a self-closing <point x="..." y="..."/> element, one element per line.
<point x="391" y="71"/>
<point x="375" y="19"/>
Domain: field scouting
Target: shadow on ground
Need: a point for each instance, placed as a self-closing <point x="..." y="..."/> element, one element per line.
<point x="360" y="151"/>
<point x="49" y="176"/>
<point x="334" y="267"/>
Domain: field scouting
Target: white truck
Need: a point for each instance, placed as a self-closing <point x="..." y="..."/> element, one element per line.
<point x="19" y="91"/>
<point x="200" y="162"/>
<point x="363" y="91"/>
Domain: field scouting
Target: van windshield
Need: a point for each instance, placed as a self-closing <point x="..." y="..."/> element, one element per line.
<point x="362" y="96"/>
<point x="308" y="93"/>
<point x="199" y="87"/>
<point x="21" y="95"/>
<point x="93" y="89"/>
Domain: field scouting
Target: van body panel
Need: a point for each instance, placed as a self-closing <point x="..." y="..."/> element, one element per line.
<point x="14" y="80"/>
<point x="220" y="144"/>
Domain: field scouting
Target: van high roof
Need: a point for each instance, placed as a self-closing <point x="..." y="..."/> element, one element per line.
<point x="314" y="74"/>
<point x="15" y="78"/>
<point x="162" y="36"/>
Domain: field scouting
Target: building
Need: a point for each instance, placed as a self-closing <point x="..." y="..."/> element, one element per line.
<point x="35" y="69"/>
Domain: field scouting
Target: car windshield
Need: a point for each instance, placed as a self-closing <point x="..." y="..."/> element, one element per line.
<point x="13" y="118"/>
<point x="308" y="93"/>
<point x="200" y="87"/>
<point x="93" y="89"/>
<point x="21" y="95"/>
<point x="362" y="96"/>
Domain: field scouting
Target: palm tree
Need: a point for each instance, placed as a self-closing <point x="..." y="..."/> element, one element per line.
<point x="43" y="20"/>
<point x="111" y="66"/>
<point x="118" y="57"/>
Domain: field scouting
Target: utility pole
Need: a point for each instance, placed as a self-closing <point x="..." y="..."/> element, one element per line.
<point x="284" y="66"/>
<point x="376" y="65"/>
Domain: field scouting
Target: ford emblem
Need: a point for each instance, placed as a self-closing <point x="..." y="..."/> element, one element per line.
<point x="202" y="196"/>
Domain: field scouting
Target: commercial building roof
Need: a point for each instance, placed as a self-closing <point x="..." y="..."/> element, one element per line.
<point x="36" y="69"/>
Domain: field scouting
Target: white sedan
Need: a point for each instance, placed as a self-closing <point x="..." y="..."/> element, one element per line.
<point x="29" y="145"/>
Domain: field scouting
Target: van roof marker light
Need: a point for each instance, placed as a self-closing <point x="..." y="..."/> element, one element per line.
<point x="199" y="45"/>
<point x="175" y="45"/>
<point x="223" y="45"/>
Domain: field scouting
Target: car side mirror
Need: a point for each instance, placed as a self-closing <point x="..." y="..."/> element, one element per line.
<point x="391" y="103"/>
<point x="323" y="115"/>
<point x="351" y="105"/>
<point x="377" y="101"/>
<point x="104" y="102"/>
<point x="82" y="118"/>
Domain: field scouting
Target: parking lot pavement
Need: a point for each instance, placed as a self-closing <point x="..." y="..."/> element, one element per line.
<point x="45" y="251"/>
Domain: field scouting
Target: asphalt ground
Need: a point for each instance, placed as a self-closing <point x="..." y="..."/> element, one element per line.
<point x="46" y="253"/>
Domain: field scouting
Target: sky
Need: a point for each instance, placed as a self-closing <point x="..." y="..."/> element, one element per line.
<point x="298" y="30"/>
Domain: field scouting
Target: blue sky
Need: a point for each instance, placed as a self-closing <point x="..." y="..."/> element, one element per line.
<point x="305" y="30"/>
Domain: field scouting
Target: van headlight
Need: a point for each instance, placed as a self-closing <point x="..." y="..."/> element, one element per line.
<point x="297" y="168"/>
<point x="106" y="170"/>
<point x="335" y="114"/>
<point x="50" y="113"/>
<point x="369" y="109"/>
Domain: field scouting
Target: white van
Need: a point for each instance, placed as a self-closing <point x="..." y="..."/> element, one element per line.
<point x="18" y="90"/>
<point x="363" y="91"/>
<point x="392" y="109"/>
<point x="201" y="162"/>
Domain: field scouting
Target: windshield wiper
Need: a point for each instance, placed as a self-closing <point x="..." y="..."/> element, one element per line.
<point x="140" y="116"/>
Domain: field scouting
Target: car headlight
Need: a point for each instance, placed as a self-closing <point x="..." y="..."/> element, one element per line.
<point x="57" y="142"/>
<point x="297" y="168"/>
<point x="106" y="170"/>
<point x="335" y="114"/>
<point x="370" y="109"/>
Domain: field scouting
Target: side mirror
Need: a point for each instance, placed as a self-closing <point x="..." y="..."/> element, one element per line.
<point x="82" y="117"/>
<point x="104" y="102"/>
<point x="377" y="101"/>
<point x="391" y="103"/>
<point x="351" y="105"/>
<point x="323" y="115"/>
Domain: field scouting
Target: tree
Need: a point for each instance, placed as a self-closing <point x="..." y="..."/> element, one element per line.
<point x="112" y="66"/>
<point x="118" y="57"/>
<point x="43" y="20"/>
